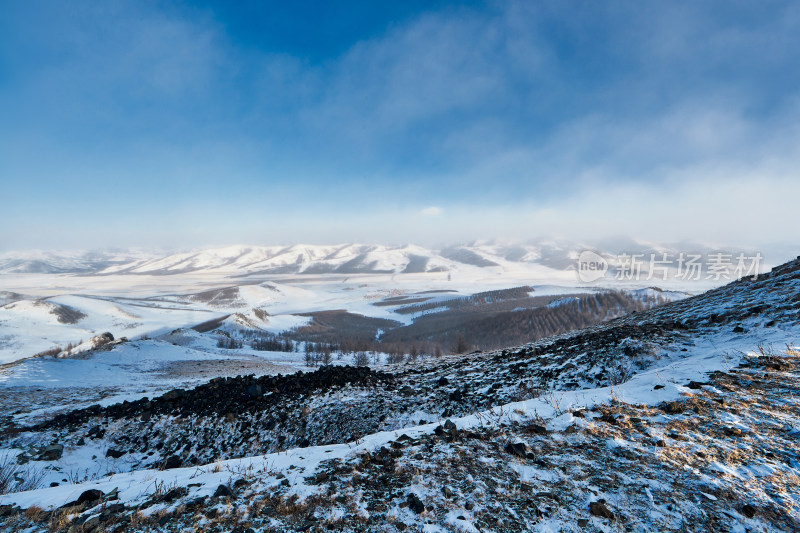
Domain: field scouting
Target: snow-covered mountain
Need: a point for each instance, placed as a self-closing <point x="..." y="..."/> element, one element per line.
<point x="338" y="259"/>
<point x="66" y="262"/>
<point x="323" y="259"/>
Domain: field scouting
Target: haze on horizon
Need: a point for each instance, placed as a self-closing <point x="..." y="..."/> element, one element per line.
<point x="189" y="124"/>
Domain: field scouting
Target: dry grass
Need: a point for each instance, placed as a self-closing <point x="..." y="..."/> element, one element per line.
<point x="34" y="513"/>
<point x="16" y="478"/>
<point x="59" y="521"/>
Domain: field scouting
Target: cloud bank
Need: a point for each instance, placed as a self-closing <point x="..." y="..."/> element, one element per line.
<point x="131" y="123"/>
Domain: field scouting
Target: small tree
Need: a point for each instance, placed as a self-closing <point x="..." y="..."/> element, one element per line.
<point x="394" y="357"/>
<point x="326" y="357"/>
<point x="308" y="355"/>
<point x="361" y="359"/>
<point x="413" y="354"/>
<point x="461" y="345"/>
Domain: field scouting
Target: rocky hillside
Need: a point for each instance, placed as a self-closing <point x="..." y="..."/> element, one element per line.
<point x="682" y="417"/>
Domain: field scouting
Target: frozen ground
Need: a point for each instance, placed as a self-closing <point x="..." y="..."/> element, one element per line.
<point x="682" y="417"/>
<point x="58" y="309"/>
<point x="51" y="299"/>
<point x="652" y="453"/>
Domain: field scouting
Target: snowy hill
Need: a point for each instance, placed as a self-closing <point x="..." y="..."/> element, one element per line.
<point x="54" y="299"/>
<point x="39" y="262"/>
<point x="539" y="257"/>
<point x="682" y="417"/>
<point x="306" y="259"/>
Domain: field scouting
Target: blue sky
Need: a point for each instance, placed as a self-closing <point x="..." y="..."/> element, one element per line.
<point x="137" y="123"/>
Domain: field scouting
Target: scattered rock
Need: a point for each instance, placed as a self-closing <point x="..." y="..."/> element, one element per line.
<point x="536" y="429"/>
<point x="600" y="509"/>
<point x="223" y="491"/>
<point x="91" y="523"/>
<point x="608" y="418"/>
<point x="8" y="510"/>
<point x="626" y="454"/>
<point x="174" y="494"/>
<point x="450" y="429"/>
<point x="110" y="511"/>
<point x="51" y="453"/>
<point x="415" y="504"/>
<point x="91" y="495"/>
<point x="456" y="396"/>
<point x="173" y="461"/>
<point x="733" y="432"/>
<point x="101" y="340"/>
<point x="520" y="449"/>
<point x="115" y="454"/>
<point x="173" y="395"/>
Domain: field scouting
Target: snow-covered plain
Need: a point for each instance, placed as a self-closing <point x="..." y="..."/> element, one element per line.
<point x="151" y="296"/>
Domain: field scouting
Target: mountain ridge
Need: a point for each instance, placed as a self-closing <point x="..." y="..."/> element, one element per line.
<point x="326" y="259"/>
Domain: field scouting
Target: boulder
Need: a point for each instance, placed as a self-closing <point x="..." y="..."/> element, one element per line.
<point x="92" y="523"/>
<point x="114" y="454"/>
<point x="8" y="510"/>
<point x="223" y="491"/>
<point x="600" y="509"/>
<point x="520" y="449"/>
<point x="537" y="429"/>
<point x="173" y="461"/>
<point x="91" y="495"/>
<point x="415" y="504"/>
<point x="51" y="453"/>
<point x="450" y="428"/>
<point x="101" y="340"/>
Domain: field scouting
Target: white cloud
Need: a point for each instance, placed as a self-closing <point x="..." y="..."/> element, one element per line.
<point x="431" y="211"/>
<point x="471" y="113"/>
